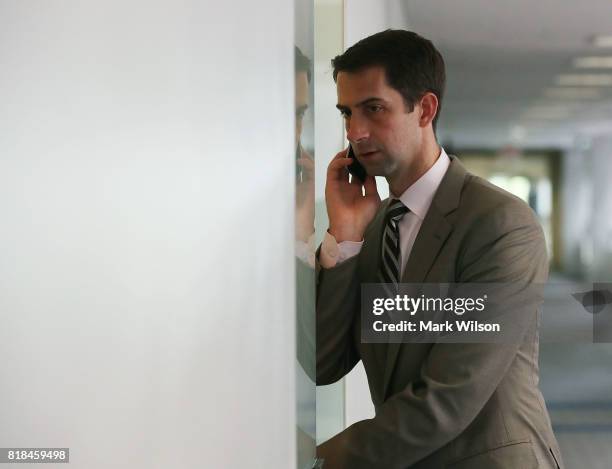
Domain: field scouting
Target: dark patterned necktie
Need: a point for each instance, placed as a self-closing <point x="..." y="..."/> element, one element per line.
<point x="390" y="267"/>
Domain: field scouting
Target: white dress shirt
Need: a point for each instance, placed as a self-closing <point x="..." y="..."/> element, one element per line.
<point x="417" y="198"/>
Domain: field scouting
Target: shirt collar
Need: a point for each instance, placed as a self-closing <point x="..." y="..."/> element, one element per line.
<point x="419" y="195"/>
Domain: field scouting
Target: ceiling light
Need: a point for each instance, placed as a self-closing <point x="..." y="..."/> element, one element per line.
<point x="529" y="118"/>
<point x="593" y="62"/>
<point x="573" y="93"/>
<point x="518" y="133"/>
<point x="602" y="41"/>
<point x="585" y="80"/>
<point x="546" y="112"/>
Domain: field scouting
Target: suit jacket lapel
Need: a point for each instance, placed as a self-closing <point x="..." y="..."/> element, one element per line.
<point x="434" y="232"/>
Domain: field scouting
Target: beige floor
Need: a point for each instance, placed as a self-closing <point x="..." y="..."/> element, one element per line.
<point x="576" y="380"/>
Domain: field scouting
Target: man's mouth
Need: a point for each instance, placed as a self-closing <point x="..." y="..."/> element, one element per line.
<point x="368" y="153"/>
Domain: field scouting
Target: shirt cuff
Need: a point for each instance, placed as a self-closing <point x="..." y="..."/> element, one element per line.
<point x="305" y="251"/>
<point x="333" y="253"/>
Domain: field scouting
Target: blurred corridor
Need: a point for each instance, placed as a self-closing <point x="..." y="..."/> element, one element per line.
<point x="528" y="106"/>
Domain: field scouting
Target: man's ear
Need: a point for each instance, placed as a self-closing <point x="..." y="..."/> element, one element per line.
<point x="429" y="108"/>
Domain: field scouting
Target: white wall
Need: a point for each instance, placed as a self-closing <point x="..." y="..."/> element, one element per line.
<point x="329" y="141"/>
<point x="587" y="203"/>
<point x="146" y="198"/>
<point x="363" y="18"/>
<point x="366" y="17"/>
<point x="329" y="129"/>
<point x="577" y="210"/>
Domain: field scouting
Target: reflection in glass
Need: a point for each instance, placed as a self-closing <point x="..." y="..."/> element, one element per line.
<point x="305" y="284"/>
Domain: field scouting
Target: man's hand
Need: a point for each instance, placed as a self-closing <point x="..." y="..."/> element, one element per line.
<point x="304" y="198"/>
<point x="349" y="211"/>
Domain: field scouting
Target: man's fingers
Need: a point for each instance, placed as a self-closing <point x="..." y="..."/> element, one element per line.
<point x="339" y="163"/>
<point x="340" y="154"/>
<point x="337" y="168"/>
<point x="305" y="154"/>
<point x="307" y="166"/>
<point x="305" y="163"/>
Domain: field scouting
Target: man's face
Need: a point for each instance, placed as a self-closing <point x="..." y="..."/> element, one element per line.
<point x="385" y="137"/>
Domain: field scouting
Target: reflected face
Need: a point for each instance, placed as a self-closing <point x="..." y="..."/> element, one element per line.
<point x="385" y="137"/>
<point x="301" y="102"/>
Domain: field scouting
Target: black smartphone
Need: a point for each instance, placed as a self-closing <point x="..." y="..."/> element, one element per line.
<point x="355" y="168"/>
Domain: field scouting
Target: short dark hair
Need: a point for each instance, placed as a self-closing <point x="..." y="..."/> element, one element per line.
<point x="413" y="66"/>
<point x="302" y="63"/>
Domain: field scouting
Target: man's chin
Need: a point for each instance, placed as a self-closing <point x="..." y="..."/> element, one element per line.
<point x="374" y="170"/>
<point x="375" y="173"/>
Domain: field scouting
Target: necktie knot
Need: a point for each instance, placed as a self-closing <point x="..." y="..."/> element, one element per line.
<point x="390" y="247"/>
<point x="396" y="211"/>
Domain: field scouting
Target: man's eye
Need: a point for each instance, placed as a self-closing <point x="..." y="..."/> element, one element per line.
<point x="375" y="108"/>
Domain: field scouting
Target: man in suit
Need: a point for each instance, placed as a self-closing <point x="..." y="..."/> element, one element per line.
<point x="456" y="405"/>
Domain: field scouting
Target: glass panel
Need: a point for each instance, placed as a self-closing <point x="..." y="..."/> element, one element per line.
<point x="329" y="33"/>
<point x="304" y="232"/>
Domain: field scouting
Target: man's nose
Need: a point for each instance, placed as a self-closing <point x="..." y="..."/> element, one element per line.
<point x="356" y="130"/>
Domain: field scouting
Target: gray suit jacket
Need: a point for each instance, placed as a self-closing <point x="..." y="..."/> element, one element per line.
<point x="443" y="405"/>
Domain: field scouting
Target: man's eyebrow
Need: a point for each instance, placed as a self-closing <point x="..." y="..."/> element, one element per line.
<point x="365" y="102"/>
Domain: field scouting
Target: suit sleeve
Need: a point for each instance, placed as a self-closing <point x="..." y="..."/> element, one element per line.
<point x="337" y="306"/>
<point x="305" y="317"/>
<point x="456" y="380"/>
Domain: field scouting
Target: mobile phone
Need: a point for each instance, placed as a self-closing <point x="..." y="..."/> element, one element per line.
<point x="355" y="168"/>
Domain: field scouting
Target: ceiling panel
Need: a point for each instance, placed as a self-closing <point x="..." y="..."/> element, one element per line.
<point x="501" y="58"/>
